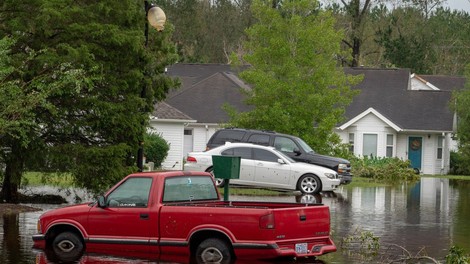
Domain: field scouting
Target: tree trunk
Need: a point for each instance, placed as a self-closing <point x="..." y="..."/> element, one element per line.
<point x="12" y="179"/>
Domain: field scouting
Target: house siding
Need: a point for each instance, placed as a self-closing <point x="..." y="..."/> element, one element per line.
<point x="371" y="124"/>
<point x="173" y="133"/>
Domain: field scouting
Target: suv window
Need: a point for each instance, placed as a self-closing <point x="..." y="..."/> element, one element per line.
<point x="223" y="136"/>
<point x="284" y="144"/>
<point x="264" y="155"/>
<point x="244" y="153"/>
<point x="259" y="139"/>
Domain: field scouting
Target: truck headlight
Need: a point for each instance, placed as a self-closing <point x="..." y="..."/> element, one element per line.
<point x="342" y="168"/>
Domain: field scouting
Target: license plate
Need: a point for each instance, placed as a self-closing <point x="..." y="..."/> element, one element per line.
<point x="301" y="248"/>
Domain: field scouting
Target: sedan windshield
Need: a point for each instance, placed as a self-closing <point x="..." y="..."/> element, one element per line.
<point x="284" y="156"/>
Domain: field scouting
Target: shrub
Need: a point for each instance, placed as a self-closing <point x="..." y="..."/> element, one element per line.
<point x="155" y="148"/>
<point x="457" y="256"/>
<point x="389" y="170"/>
<point x="458" y="166"/>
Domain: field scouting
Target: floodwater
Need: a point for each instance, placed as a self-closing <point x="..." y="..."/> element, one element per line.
<point x="409" y="221"/>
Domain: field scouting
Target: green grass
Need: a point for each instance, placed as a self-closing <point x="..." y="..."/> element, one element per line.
<point x="54" y="179"/>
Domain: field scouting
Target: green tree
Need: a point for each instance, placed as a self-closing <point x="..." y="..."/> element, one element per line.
<point x="208" y="31"/>
<point x="462" y="106"/>
<point x="156" y="148"/>
<point x="96" y="83"/>
<point x="408" y="46"/>
<point x="297" y="87"/>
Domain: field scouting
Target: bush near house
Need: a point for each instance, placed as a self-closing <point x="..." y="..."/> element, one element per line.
<point x="458" y="166"/>
<point x="388" y="170"/>
<point x="155" y="149"/>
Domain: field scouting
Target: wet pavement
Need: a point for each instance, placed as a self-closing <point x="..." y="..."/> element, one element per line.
<point x="426" y="218"/>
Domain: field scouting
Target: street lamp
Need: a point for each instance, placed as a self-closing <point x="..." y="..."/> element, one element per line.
<point x="156" y="18"/>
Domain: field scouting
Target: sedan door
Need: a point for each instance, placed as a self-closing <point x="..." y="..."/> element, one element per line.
<point x="268" y="171"/>
<point x="247" y="164"/>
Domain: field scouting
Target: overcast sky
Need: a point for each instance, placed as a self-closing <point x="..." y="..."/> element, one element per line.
<point x="459" y="4"/>
<point x="453" y="4"/>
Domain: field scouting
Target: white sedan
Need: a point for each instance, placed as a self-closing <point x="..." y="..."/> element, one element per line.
<point x="267" y="167"/>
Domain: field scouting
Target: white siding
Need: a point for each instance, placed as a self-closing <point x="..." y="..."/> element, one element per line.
<point x="371" y="124"/>
<point x="201" y="134"/>
<point x="173" y="133"/>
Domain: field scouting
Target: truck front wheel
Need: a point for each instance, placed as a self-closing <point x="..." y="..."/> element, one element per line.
<point x="213" y="250"/>
<point x="67" y="247"/>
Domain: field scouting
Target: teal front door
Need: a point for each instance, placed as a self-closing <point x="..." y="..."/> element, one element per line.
<point x="415" y="147"/>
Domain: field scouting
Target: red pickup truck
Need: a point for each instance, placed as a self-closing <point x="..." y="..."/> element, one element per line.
<point x="176" y="212"/>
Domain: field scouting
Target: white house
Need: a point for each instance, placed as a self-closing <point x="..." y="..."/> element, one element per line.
<point x="397" y="114"/>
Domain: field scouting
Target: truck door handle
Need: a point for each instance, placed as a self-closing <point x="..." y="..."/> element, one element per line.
<point x="144" y="216"/>
<point x="303" y="217"/>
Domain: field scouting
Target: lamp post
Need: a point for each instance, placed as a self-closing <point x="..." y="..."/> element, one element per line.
<point x="156" y="18"/>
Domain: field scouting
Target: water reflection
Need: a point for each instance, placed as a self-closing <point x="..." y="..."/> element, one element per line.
<point x="432" y="214"/>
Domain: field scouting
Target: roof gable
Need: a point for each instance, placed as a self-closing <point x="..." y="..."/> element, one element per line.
<point x="365" y="113"/>
<point x="388" y="92"/>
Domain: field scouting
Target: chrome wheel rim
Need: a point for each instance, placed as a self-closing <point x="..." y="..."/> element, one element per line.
<point x="309" y="184"/>
<point x="211" y="255"/>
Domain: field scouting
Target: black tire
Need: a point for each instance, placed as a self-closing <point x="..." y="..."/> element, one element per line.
<point x="309" y="184"/>
<point x="213" y="250"/>
<point x="218" y="182"/>
<point x="68" y="247"/>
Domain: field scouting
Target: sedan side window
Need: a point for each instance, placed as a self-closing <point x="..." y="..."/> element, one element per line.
<point x="244" y="153"/>
<point x="264" y="155"/>
<point x="284" y="144"/>
<point x="134" y="192"/>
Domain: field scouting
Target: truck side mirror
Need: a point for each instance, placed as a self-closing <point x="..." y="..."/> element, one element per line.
<point x="297" y="152"/>
<point x="281" y="161"/>
<point x="101" y="201"/>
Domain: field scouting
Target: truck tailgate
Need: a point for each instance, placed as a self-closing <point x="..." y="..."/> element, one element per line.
<point x="302" y="222"/>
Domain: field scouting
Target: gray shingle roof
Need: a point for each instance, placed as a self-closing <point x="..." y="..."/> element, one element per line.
<point x="163" y="110"/>
<point x="386" y="90"/>
<point x="205" y="89"/>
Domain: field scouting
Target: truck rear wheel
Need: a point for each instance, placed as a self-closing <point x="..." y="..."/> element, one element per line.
<point x="309" y="184"/>
<point x="67" y="247"/>
<point x="213" y="250"/>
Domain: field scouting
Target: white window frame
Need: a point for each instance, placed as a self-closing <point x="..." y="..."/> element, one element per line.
<point x="351" y="142"/>
<point x="374" y="153"/>
<point x="389" y="146"/>
<point x="440" y="147"/>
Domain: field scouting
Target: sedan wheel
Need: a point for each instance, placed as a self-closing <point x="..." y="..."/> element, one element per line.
<point x="309" y="184"/>
<point x="218" y="182"/>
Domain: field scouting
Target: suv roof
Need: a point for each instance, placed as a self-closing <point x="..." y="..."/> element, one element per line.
<point x="236" y="135"/>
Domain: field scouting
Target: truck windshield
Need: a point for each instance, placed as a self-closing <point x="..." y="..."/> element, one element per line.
<point x="189" y="188"/>
<point x="305" y="146"/>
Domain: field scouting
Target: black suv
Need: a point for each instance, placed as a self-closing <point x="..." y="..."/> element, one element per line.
<point x="294" y="147"/>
